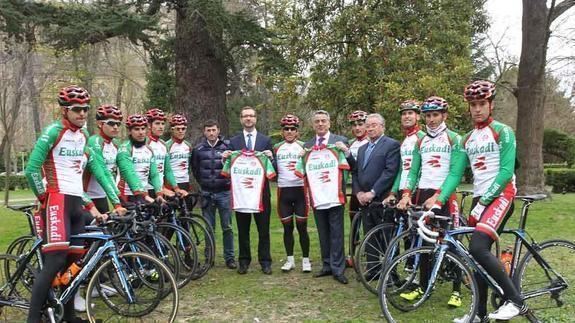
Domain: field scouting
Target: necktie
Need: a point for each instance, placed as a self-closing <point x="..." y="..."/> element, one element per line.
<point x="250" y="146"/>
<point x="320" y="141"/>
<point x="368" y="151"/>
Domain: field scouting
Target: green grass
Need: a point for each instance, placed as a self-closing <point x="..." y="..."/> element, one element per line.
<point x="223" y="295"/>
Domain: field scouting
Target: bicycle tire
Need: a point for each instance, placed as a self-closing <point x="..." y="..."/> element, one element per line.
<point x="395" y="309"/>
<point x="186" y="249"/>
<point x="530" y="276"/>
<point x="18" y="292"/>
<point x="355" y="237"/>
<point x="369" y="258"/>
<point x="204" y="243"/>
<point x="397" y="247"/>
<point x="163" y="281"/>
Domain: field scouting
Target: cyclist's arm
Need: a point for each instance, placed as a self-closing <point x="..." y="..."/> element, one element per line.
<point x="507" y="152"/>
<point x="127" y="170"/>
<point x="155" y="179"/>
<point x="169" y="178"/>
<point x="396" y="181"/>
<point x="413" y="176"/>
<point x="97" y="168"/>
<point x="95" y="143"/>
<point x="457" y="164"/>
<point x="38" y="156"/>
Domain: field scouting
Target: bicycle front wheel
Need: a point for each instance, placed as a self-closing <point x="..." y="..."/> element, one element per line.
<point x="145" y="291"/>
<point x="405" y="301"/>
<point x="533" y="280"/>
<point x="369" y="259"/>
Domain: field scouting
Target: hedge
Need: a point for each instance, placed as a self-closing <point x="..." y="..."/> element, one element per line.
<point x="16" y="181"/>
<point x="562" y="180"/>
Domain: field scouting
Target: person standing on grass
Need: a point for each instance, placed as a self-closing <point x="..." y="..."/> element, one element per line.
<point x="180" y="151"/>
<point x="252" y="140"/>
<point x="323" y="165"/>
<point x="215" y="189"/>
<point x="291" y="194"/>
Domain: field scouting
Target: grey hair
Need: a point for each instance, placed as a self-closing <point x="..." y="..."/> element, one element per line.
<point x="317" y="112"/>
<point x="377" y="116"/>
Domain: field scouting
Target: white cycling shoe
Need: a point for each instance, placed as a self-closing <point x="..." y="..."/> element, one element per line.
<point x="289" y="264"/>
<point x="306" y="265"/>
<point x="507" y="311"/>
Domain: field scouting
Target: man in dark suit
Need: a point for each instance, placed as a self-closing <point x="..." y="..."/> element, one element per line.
<point x="251" y="139"/>
<point x="329" y="221"/>
<point x="374" y="171"/>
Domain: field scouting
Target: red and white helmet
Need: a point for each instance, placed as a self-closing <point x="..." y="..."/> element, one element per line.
<point x="107" y="111"/>
<point x="357" y="115"/>
<point x="479" y="90"/>
<point x="155" y="114"/>
<point x="178" y="120"/>
<point x="290" y="120"/>
<point x="136" y="120"/>
<point x="72" y="96"/>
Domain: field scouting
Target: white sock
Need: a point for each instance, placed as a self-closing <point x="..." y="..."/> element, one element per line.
<point x="290" y="259"/>
<point x="306" y="260"/>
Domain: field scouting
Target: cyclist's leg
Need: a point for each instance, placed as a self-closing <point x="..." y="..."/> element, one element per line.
<point x="486" y="233"/>
<point x="55" y="249"/>
<point x="286" y="213"/>
<point x="301" y="213"/>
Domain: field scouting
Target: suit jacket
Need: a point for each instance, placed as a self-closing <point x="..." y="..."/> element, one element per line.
<point x="380" y="170"/>
<point x="263" y="142"/>
<point x="333" y="138"/>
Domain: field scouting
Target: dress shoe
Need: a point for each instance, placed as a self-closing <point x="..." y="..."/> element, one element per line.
<point x="243" y="269"/>
<point x="341" y="279"/>
<point x="231" y="264"/>
<point x="267" y="270"/>
<point x="322" y="273"/>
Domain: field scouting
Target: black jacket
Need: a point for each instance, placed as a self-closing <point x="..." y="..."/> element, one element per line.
<point x="207" y="165"/>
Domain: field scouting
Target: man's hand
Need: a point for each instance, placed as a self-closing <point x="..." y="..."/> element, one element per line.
<point x="390" y="199"/>
<point x="226" y="154"/>
<point x="301" y="153"/>
<point x="404" y="203"/>
<point x="430" y="202"/>
<point x="360" y="198"/>
<point x="98" y="216"/>
<point x="268" y="153"/>
<point x="148" y="199"/>
<point x="368" y="197"/>
<point x="160" y="200"/>
<point x="120" y="211"/>
<point x="342" y="147"/>
<point x="168" y="193"/>
<point x="181" y="192"/>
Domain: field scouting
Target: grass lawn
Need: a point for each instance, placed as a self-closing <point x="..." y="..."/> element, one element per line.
<point x="223" y="295"/>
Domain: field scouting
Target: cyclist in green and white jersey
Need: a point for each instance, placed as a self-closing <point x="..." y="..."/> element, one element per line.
<point x="180" y="152"/>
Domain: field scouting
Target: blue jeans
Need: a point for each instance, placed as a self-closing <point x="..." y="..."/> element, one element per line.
<point x="221" y="202"/>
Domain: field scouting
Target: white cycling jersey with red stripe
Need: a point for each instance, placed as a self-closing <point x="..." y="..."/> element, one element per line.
<point x="180" y="152"/>
<point x="109" y="152"/>
<point x="286" y="155"/>
<point x="435" y="158"/>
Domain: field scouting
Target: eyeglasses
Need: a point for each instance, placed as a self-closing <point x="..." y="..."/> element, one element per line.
<point x="78" y="109"/>
<point x="112" y="123"/>
<point x="289" y="129"/>
<point x="249" y="116"/>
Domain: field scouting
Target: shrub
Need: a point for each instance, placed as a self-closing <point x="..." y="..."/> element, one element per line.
<point x="562" y="180"/>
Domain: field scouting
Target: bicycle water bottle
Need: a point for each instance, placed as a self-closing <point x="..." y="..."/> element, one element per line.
<point x="506" y="259"/>
<point x="65" y="278"/>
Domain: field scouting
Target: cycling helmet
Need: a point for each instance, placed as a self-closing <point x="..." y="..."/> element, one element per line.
<point x="155" y="114"/>
<point x="479" y="90"/>
<point x="136" y="120"/>
<point x="412" y="105"/>
<point x="72" y="96"/>
<point x="357" y="115"/>
<point x="290" y="120"/>
<point x="434" y="103"/>
<point x="107" y="111"/>
<point x="178" y="120"/>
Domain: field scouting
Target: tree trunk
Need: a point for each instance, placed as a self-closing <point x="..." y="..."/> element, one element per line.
<point x="34" y="95"/>
<point x="531" y="97"/>
<point x="200" y="71"/>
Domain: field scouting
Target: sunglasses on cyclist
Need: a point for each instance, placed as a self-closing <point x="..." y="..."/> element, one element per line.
<point x="289" y="128"/>
<point x="78" y="109"/>
<point x="112" y="123"/>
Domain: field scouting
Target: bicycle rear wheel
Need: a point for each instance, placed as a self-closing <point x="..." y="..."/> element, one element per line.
<point x="16" y="290"/>
<point x="393" y="284"/>
<point x="532" y="278"/>
<point x="187" y="253"/>
<point x="369" y="259"/>
<point x="149" y="291"/>
<point x="204" y="242"/>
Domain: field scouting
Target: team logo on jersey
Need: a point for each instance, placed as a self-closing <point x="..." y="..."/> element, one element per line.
<point x="77" y="166"/>
<point x="407" y="164"/>
<point x="183" y="164"/>
<point x="291" y="165"/>
<point x="324" y="177"/>
<point x="434" y="161"/>
<point x="160" y="168"/>
<point x="248" y="182"/>
<point x="480" y="163"/>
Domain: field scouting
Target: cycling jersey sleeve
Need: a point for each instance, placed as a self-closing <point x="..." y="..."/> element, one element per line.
<point x="97" y="168"/>
<point x="169" y="179"/>
<point x="507" y="153"/>
<point x="395" y="187"/>
<point x="95" y="143"/>
<point x="155" y="179"/>
<point x="127" y="171"/>
<point x="38" y="156"/>
<point x="457" y="163"/>
<point x="413" y="176"/>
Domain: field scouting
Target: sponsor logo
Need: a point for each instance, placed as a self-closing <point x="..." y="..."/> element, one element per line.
<point x="480" y="163"/>
<point x="324" y="177"/>
<point x="55" y="221"/>
<point x="285" y="156"/>
<point x="248" y="182"/>
<point x="70" y="152"/>
<point x="436" y="149"/>
<point x="498" y="212"/>
<point x="179" y="155"/>
<point x="434" y="161"/>
<point x="483" y="149"/>
<point x="407" y="164"/>
<point x="321" y="165"/>
<point x="247" y="171"/>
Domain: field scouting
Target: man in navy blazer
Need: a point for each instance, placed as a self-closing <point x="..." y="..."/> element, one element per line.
<point x="329" y="222"/>
<point x="251" y="139"/>
<point x="374" y="170"/>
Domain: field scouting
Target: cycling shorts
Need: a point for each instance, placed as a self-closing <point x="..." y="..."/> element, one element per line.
<point x="496" y="214"/>
<point x="292" y="201"/>
<point x="62" y="216"/>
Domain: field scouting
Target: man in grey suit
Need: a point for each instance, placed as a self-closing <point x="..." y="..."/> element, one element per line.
<point x="374" y="171"/>
<point x="329" y="221"/>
